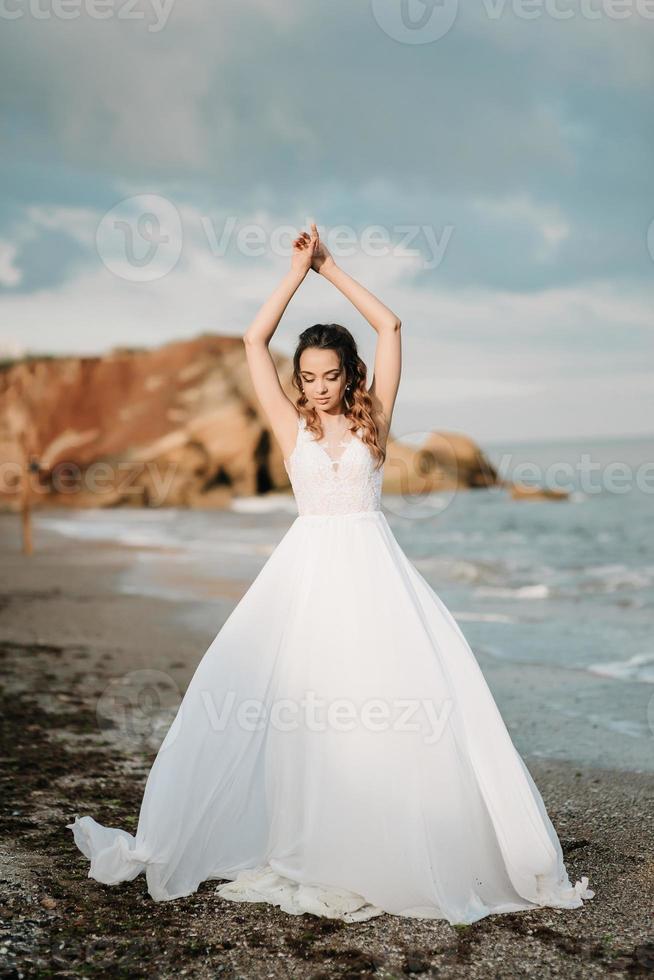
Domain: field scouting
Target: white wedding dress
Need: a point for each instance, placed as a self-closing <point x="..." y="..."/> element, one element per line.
<point x="338" y="750"/>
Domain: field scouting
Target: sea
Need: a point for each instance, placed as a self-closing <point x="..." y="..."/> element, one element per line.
<point x="555" y="597"/>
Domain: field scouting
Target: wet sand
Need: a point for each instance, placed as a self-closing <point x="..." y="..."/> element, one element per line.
<point x="79" y="737"/>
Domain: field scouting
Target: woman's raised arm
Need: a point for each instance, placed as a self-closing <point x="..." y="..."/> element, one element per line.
<point x="277" y="406"/>
<point x="388" y="353"/>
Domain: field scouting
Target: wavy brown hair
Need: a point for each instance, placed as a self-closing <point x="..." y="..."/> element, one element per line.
<point x="359" y="407"/>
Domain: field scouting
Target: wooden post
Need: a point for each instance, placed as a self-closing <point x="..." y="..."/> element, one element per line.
<point x="25" y="508"/>
<point x="30" y="466"/>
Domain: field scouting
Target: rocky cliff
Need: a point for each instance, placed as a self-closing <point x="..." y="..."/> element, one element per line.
<point x="178" y="425"/>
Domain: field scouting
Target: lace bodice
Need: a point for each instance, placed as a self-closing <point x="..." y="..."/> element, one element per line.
<point x="326" y="484"/>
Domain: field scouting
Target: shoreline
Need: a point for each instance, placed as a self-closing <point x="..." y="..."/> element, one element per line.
<point x="66" y="635"/>
<point x="191" y="577"/>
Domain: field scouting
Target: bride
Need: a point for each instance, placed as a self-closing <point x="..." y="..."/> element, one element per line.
<point x="338" y="750"/>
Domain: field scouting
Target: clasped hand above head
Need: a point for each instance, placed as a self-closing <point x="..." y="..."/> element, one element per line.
<point x="309" y="252"/>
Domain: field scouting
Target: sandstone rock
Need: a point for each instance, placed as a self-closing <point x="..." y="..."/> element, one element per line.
<point x="179" y="425"/>
<point x="523" y="491"/>
<point x="443" y="461"/>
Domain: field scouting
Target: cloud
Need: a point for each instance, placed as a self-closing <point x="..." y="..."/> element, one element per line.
<point x="469" y="355"/>
<point x="224" y="87"/>
<point x="10" y="274"/>
<point x="548" y="222"/>
<point x="449" y="389"/>
<point x="516" y="144"/>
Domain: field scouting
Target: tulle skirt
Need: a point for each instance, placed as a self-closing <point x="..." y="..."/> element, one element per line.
<point x="338" y="752"/>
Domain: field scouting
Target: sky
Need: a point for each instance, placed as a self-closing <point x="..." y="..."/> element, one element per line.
<point x="486" y="170"/>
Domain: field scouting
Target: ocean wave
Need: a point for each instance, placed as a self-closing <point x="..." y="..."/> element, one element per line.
<point x="637" y="668"/>
<point x="264" y="504"/>
<point x="479" y="617"/>
<point x="464" y="570"/>
<point x="616" y="577"/>
<point x="184" y="545"/>
<point x="536" y="591"/>
<point x="632" y="728"/>
<point x="89" y="530"/>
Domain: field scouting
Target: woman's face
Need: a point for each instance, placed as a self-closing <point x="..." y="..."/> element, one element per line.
<point x="323" y="379"/>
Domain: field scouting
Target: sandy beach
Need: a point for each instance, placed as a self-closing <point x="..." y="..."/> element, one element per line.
<point x="90" y="675"/>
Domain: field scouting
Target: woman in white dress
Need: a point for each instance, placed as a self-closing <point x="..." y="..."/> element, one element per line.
<point x="338" y="750"/>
